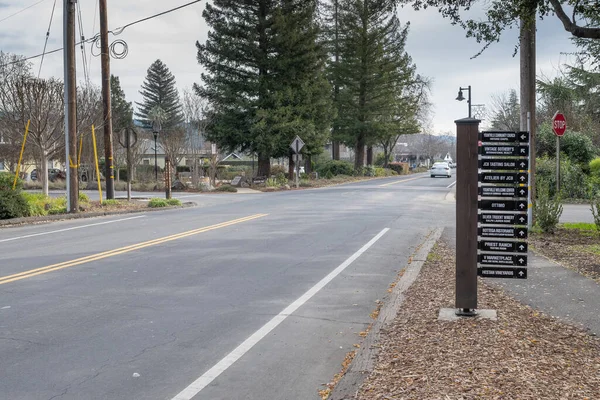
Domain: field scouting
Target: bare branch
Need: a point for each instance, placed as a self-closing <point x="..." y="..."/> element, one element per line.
<point x="571" y="26"/>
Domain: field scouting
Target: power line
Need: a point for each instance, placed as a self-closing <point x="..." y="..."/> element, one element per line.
<point x="93" y="30"/>
<point x="83" y="54"/>
<point x="47" y="37"/>
<point x="25" y="9"/>
<point x="96" y="37"/>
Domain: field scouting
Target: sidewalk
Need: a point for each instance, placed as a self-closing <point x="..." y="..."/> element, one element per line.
<point x="552" y="289"/>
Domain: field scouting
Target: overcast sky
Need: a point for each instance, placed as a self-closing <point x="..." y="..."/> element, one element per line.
<point x="439" y="49"/>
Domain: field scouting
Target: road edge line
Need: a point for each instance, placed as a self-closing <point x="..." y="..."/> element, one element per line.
<point x="221" y="366"/>
<point x="366" y="355"/>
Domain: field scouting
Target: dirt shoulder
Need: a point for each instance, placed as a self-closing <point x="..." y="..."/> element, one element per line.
<point x="575" y="249"/>
<point x="522" y="355"/>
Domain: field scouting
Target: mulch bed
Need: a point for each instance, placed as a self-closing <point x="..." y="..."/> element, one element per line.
<point x="522" y="355"/>
<point x="571" y="248"/>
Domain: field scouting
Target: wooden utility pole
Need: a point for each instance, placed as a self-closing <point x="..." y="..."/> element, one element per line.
<point x="70" y="107"/>
<point x="109" y="172"/>
<point x="528" y="86"/>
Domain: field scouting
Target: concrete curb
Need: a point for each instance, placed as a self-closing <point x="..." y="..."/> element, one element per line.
<point x="364" y="361"/>
<point x="65" y="217"/>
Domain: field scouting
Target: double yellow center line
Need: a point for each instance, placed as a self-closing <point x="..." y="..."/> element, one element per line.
<point x="400" y="181"/>
<point x="122" y="250"/>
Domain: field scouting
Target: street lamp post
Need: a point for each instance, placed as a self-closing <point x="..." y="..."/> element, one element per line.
<point x="156" y="127"/>
<point x="461" y="97"/>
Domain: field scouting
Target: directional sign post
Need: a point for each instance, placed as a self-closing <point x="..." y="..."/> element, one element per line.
<point x="297" y="145"/>
<point x="503" y="204"/>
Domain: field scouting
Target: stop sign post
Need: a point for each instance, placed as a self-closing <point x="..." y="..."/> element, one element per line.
<point x="559" y="126"/>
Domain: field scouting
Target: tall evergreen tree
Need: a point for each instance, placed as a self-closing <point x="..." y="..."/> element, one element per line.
<point x="122" y="110"/>
<point x="300" y="95"/>
<point x="372" y="72"/>
<point x="159" y="90"/>
<point x="265" y="77"/>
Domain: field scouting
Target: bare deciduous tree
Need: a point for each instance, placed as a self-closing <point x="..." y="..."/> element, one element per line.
<point x="40" y="101"/>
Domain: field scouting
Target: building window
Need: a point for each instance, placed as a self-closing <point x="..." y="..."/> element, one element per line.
<point x="1" y="165"/>
<point x="146" y="162"/>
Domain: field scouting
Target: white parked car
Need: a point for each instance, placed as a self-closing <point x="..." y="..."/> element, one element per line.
<point x="441" y="169"/>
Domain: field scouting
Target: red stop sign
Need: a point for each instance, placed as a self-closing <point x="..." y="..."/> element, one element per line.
<point x="559" y="124"/>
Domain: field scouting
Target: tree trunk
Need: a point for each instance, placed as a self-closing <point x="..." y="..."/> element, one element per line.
<point x="43" y="174"/>
<point x="359" y="156"/>
<point x="264" y="165"/>
<point x="308" y="164"/>
<point x="370" y="155"/>
<point x="335" y="150"/>
<point x="386" y="159"/>
<point x="528" y="88"/>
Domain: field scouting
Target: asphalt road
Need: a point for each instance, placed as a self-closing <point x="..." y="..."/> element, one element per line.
<point x="249" y="297"/>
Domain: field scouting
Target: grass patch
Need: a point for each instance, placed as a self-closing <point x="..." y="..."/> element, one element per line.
<point x="581" y="226"/>
<point x="110" y="202"/>
<point x="157" y="203"/>
<point x="593" y="249"/>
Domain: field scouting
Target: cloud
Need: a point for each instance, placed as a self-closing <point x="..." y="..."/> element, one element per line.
<point x="440" y="50"/>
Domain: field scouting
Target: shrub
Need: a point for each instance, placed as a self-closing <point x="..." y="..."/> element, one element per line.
<point x="595" y="167"/>
<point x="13" y="204"/>
<point x="336" y="167"/>
<point x="397" y="167"/>
<point x="573" y="181"/>
<point x="576" y="145"/>
<point x="174" y="202"/>
<point x="271" y="182"/>
<point x="226" y="188"/>
<point x="37" y="203"/>
<point x="380" y="159"/>
<point x="7" y="180"/>
<point x="157" y="203"/>
<point x="369" y="170"/>
<point x="278" y="169"/>
<point x="83" y="198"/>
<point x="547" y="210"/>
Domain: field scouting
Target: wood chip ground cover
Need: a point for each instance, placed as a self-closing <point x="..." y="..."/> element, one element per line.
<point x="522" y="355"/>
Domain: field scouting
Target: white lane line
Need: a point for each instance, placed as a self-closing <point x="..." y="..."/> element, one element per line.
<point x="452" y="184"/>
<point x="210" y="375"/>
<point x="70" y="229"/>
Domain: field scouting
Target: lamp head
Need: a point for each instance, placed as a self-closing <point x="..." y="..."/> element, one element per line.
<point x="460" y="95"/>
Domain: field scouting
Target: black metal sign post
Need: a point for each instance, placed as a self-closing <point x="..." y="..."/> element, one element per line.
<point x="503" y="204"/>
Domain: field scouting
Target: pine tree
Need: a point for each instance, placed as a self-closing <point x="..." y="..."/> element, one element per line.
<point x="122" y="110"/>
<point x="265" y="77"/>
<point x="301" y="95"/>
<point x="159" y="90"/>
<point x="372" y="72"/>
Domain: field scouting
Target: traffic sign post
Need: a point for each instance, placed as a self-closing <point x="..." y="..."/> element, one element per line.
<point x="503" y="204"/>
<point x="297" y="145"/>
<point x="559" y="126"/>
